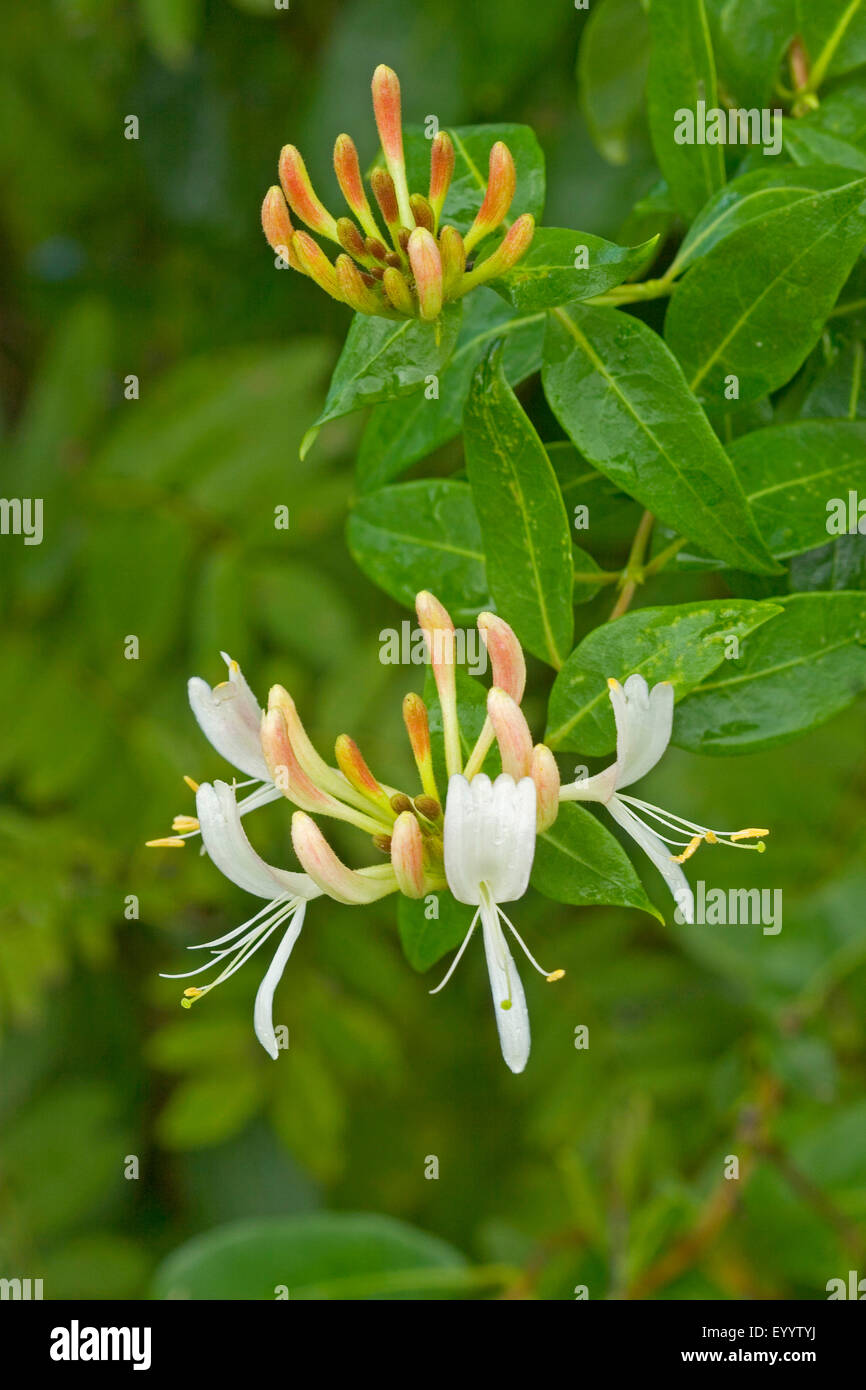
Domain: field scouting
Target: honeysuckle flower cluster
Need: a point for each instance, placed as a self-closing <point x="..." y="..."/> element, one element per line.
<point x="478" y="842"/>
<point x="413" y="266"/>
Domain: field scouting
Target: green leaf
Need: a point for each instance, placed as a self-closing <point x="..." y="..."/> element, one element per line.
<point x="753" y="34"/>
<point x="425" y="940"/>
<point x="681" y="643"/>
<point x="527" y="539"/>
<point x="472" y="146"/>
<point x="682" y="72"/>
<point x="751" y="198"/>
<point x="790" y="472"/>
<point x="422" y="535"/>
<point x="612" y="66"/>
<point x="620" y="395"/>
<point x="398" y="433"/>
<point x="578" y="861"/>
<point x="328" y="1255"/>
<point x="840" y="390"/>
<point x="839" y="565"/>
<point x="807" y="144"/>
<point x="754" y="306"/>
<point x="834" y="33"/>
<point x="382" y="359"/>
<point x="547" y="274"/>
<point x="807" y="665"/>
<point x="207" y="1108"/>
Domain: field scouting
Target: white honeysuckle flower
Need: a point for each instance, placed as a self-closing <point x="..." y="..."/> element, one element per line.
<point x="644" y="719"/>
<point x="286" y="895"/>
<point x="230" y="717"/>
<point x="489" y="845"/>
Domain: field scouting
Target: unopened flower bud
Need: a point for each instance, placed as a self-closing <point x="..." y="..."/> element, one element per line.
<point x="385" y="195"/>
<point x="355" y="292"/>
<point x="501" y="183"/>
<point x="545" y="775"/>
<point x="398" y="291"/>
<point x="441" y="170"/>
<point x="514" y="244"/>
<point x="407" y="855"/>
<point x="353" y="766"/>
<point x="400" y="802"/>
<point x="277" y="226"/>
<point x="418" y="729"/>
<point x="328" y="871"/>
<point x="426" y="266"/>
<point x="435" y="622"/>
<point x="386" y="108"/>
<point x="315" y="263"/>
<point x="350" y="238"/>
<point x="422" y="212"/>
<point x="506" y="655"/>
<point x="428" y="807"/>
<point x="300" y="195"/>
<point x="375" y="248"/>
<point x="348" y="172"/>
<point x="453" y="254"/>
<point x="512" y="733"/>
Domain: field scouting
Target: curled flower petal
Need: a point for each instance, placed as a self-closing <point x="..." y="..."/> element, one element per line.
<point x="229" y="717"/>
<point x="226" y="843"/>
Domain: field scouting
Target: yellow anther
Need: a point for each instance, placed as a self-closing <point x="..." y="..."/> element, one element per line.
<point x="612" y="683"/>
<point x="689" y="850"/>
<point x="190" y="996"/>
<point x="185" y="823"/>
<point x="168" y="842"/>
<point x="711" y="838"/>
<point x="193" y="786"/>
<point x="554" y="975"/>
<point x="749" y="834"/>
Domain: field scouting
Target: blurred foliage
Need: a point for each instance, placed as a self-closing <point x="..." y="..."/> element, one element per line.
<point x="600" y="1167"/>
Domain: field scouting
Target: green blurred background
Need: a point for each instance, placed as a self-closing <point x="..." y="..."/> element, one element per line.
<point x="601" y="1167"/>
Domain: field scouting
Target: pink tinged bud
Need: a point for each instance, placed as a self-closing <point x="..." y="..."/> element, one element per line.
<point x="418" y="728"/>
<point x="398" y="291"/>
<point x="435" y="622"/>
<point x="353" y="766"/>
<point x="514" y="244"/>
<point x="386" y="108"/>
<point x="501" y="183"/>
<point x="545" y="775"/>
<point x="354" y="291"/>
<point x="512" y="733"/>
<point x="329" y="872"/>
<point x="422" y="212"/>
<point x="441" y="170"/>
<point x="277" y="226"/>
<point x="300" y="196"/>
<point x="348" y="172"/>
<point x="506" y="655"/>
<point x="383" y="191"/>
<point x="407" y="855"/>
<point x="290" y="778"/>
<point x="426" y="266"/>
<point x="453" y="254"/>
<point x="315" y="263"/>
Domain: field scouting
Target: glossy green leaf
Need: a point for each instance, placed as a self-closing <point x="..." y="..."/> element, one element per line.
<point x="612" y="63"/>
<point x="426" y="937"/>
<point x="580" y="862"/>
<point x="682" y="73"/>
<point x="547" y="275"/>
<point x="753" y="35"/>
<point x="681" y="643"/>
<point x="839" y="391"/>
<point x="754" y="306"/>
<point x="620" y="395"/>
<point x="422" y="535"/>
<point x="834" y="34"/>
<point x="399" y="433"/>
<point x="809" y="145"/>
<point x="839" y="565"/>
<point x="527" y="539"/>
<point x="472" y="145"/>
<point x="806" y="666"/>
<point x="383" y="359"/>
<point x="324" y="1256"/>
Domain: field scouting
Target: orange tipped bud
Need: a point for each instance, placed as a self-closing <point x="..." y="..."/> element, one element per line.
<point x="300" y="195"/>
<point x="315" y="263"/>
<point x="418" y="729"/>
<point x="353" y="766"/>
<point x="386" y="108"/>
<point x="277" y="226"/>
<point x="328" y="871"/>
<point x="512" y="733"/>
<point x="426" y="266"/>
<point x="441" y="170"/>
<point x="385" y="195"/>
<point x="348" y="172"/>
<point x="398" y="291"/>
<point x="407" y="855"/>
<point x="545" y="775"/>
<point x="453" y="254"/>
<point x="514" y="244"/>
<point x="354" y="291"/>
<point x="291" y="779"/>
<point x="506" y="655"/>
<point x="422" y="212"/>
<point x="350" y="238"/>
<point x="501" y="183"/>
<point x="435" y="622"/>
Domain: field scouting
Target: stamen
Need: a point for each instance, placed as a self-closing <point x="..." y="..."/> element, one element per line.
<point x="456" y="961"/>
<point x="187" y="823"/>
<point x="193" y="786"/>
<point x="689" y="849"/>
<point x="167" y="842"/>
<point x="548" y="974"/>
<point x="748" y="834"/>
<point x="554" y="976"/>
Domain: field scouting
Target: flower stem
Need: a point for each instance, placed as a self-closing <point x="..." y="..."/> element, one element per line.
<point x="633" y="574"/>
